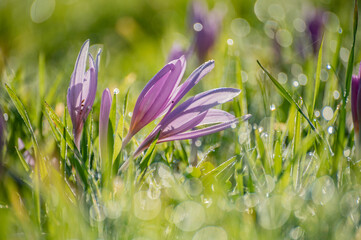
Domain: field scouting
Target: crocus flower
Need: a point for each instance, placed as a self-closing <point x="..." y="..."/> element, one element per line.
<point x="105" y="106"/>
<point x="163" y="92"/>
<point x="356" y="104"/>
<point x="207" y="25"/>
<point x="82" y="90"/>
<point x="193" y="113"/>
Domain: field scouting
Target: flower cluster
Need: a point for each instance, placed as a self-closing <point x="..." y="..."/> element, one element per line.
<point x="159" y="97"/>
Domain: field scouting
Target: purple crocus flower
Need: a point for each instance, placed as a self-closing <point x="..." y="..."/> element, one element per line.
<point x="194" y="112"/>
<point x="82" y="90"/>
<point x="207" y="25"/>
<point x="163" y="92"/>
<point x="105" y="106"/>
<point x="356" y="103"/>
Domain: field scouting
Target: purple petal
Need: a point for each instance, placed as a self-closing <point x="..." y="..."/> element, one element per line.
<point x="354" y="96"/>
<point x="201" y="102"/>
<point x="80" y="64"/>
<point x="156" y="95"/>
<point x="216" y="116"/>
<point x="105" y="106"/>
<point x="199" y="132"/>
<point x="183" y="123"/>
<point x="191" y="81"/>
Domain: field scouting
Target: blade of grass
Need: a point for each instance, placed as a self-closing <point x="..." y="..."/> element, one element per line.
<point x="287" y="96"/>
<point x="318" y="79"/>
<point x="342" y="124"/>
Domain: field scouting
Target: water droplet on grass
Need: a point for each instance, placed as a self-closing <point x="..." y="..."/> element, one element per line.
<point x="330" y="130"/>
<point x="197" y="27"/>
<point x="327" y="113"/>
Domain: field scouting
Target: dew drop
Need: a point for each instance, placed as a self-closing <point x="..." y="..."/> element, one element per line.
<point x="198" y="143"/>
<point x="116" y="91"/>
<point x="302" y="78"/>
<point x="317" y="113"/>
<point x="230" y="42"/>
<point x="336" y="95"/>
<point x="197" y="27"/>
<point x="282" y="78"/>
<point x="330" y="130"/>
<point x="272" y="107"/>
<point x="327" y="113"/>
<point x="6" y="117"/>
<point x="295" y="83"/>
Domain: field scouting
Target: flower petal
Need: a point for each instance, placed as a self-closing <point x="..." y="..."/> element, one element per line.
<point x="183" y="123"/>
<point x="354" y="93"/>
<point x="80" y="64"/>
<point x="216" y="116"/>
<point x="105" y="106"/>
<point x="191" y="81"/>
<point x="201" y="102"/>
<point x="199" y="132"/>
<point x="155" y="96"/>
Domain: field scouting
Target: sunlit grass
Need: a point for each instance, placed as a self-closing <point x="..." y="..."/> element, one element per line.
<point x="289" y="172"/>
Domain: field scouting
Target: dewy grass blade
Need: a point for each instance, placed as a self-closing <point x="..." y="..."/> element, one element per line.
<point x="40" y="168"/>
<point x="318" y="79"/>
<point x="287" y="96"/>
<point x="342" y="123"/>
<point x="49" y="112"/>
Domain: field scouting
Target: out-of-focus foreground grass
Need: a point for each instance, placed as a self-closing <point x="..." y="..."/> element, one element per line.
<point x="272" y="177"/>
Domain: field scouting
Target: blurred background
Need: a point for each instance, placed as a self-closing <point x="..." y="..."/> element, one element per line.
<point x="39" y="43"/>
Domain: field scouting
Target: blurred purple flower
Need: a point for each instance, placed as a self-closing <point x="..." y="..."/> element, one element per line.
<point x="356" y="103"/>
<point x="82" y="90"/>
<point x="163" y="92"/>
<point x="315" y="26"/>
<point x="105" y="106"/>
<point x="207" y="25"/>
<point x="194" y="112"/>
<point x="176" y="52"/>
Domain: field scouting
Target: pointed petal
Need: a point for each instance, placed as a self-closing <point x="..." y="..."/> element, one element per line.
<point x="155" y="96"/>
<point x="105" y="106"/>
<point x="191" y="81"/>
<point x="201" y="102"/>
<point x="354" y="93"/>
<point x="183" y="123"/>
<point x="216" y="116"/>
<point x="80" y="64"/>
<point x="199" y="132"/>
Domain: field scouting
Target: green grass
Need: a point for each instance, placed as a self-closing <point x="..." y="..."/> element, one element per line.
<point x="289" y="172"/>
